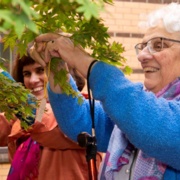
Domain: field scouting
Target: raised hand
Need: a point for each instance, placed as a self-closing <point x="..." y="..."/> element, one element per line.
<point x="54" y="45"/>
<point x="37" y="50"/>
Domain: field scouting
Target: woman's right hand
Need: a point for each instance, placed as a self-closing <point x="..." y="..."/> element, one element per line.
<point x="63" y="47"/>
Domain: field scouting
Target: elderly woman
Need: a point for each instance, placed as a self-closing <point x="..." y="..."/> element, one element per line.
<point x="139" y="130"/>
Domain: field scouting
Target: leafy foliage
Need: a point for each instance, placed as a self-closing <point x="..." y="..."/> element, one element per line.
<point x="15" y="100"/>
<point x="22" y="20"/>
<point x="77" y="17"/>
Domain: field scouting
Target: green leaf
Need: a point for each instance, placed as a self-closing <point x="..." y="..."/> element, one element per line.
<point x="19" y="28"/>
<point x="9" y="40"/>
<point x="89" y="8"/>
<point x="6" y="15"/>
<point x="26" y="9"/>
<point x="127" y="70"/>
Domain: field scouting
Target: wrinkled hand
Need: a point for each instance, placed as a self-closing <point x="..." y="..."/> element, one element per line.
<point x="62" y="47"/>
<point x="59" y="46"/>
<point x="38" y="49"/>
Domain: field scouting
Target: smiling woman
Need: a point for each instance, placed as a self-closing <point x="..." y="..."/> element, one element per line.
<point x="31" y="75"/>
<point x="159" y="56"/>
<point x="31" y="151"/>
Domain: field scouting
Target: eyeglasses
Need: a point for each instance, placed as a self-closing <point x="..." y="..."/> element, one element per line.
<point x="154" y="45"/>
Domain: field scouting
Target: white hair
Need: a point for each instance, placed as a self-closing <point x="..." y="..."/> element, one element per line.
<point x="168" y="15"/>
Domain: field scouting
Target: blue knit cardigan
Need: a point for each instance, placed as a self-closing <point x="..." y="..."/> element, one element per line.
<point x="151" y="124"/>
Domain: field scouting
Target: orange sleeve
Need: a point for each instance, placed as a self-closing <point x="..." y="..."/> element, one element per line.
<point x="5" y="129"/>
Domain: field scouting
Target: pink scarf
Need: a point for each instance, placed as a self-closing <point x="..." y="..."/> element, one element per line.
<point x="119" y="149"/>
<point x="25" y="161"/>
